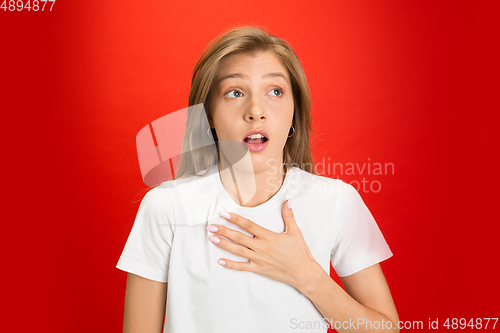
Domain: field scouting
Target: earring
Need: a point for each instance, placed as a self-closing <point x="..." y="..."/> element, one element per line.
<point x="293" y="132"/>
<point x="209" y="129"/>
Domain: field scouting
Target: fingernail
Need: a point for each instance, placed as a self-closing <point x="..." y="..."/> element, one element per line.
<point x="221" y="262"/>
<point x="212" y="228"/>
<point x="225" y="215"/>
<point x="214" y="239"/>
<point x="289" y="203"/>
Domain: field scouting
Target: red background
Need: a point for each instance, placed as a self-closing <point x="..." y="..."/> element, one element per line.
<point x="403" y="82"/>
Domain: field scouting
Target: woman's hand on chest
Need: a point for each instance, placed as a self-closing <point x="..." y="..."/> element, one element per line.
<point x="282" y="256"/>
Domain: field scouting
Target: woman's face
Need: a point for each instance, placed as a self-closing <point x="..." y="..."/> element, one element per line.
<point x="252" y="92"/>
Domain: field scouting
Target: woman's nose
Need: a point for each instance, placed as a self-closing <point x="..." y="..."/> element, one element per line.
<point x="255" y="110"/>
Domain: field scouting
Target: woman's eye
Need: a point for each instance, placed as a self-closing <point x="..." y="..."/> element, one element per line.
<point x="278" y="92"/>
<point x="235" y="95"/>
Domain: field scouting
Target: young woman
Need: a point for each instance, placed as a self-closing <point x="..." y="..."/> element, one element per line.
<point x="245" y="245"/>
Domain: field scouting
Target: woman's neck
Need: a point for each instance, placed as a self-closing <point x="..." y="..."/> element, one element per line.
<point x="252" y="189"/>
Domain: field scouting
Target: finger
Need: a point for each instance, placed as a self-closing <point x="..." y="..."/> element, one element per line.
<point x="234" y="235"/>
<point x="288" y="217"/>
<point x="237" y="249"/>
<point x="246" y="224"/>
<point x="239" y="266"/>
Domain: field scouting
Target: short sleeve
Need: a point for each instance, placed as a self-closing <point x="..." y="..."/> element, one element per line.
<point x="359" y="241"/>
<point x="147" y="250"/>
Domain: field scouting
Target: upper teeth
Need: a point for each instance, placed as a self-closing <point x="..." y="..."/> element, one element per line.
<point x="255" y="136"/>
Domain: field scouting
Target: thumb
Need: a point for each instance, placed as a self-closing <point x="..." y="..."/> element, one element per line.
<point x="287" y="212"/>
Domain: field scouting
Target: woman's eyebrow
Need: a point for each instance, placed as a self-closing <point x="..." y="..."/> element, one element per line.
<point x="242" y="76"/>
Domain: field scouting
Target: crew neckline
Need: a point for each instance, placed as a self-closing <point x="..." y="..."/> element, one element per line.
<point x="269" y="203"/>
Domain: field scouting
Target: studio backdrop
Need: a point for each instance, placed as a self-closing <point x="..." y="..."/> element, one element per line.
<point x="402" y="103"/>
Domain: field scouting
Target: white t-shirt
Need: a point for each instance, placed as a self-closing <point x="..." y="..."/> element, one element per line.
<point x="169" y="242"/>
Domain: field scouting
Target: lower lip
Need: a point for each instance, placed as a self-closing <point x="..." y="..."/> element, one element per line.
<point x="257" y="147"/>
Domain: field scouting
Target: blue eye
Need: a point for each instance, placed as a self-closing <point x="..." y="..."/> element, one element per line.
<point x="279" y="90"/>
<point x="235" y="91"/>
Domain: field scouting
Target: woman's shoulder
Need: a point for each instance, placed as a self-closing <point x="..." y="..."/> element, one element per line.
<point x="339" y="195"/>
<point x="156" y="201"/>
<point x="173" y="190"/>
<point x="318" y="180"/>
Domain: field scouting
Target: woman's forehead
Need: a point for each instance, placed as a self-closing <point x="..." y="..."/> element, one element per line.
<point x="235" y="65"/>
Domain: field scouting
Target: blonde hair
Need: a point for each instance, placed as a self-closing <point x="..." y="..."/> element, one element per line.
<point x="245" y="39"/>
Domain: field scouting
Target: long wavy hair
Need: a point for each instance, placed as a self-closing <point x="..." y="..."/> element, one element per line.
<point x="243" y="39"/>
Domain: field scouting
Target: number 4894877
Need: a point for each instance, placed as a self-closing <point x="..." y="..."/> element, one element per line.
<point x="19" y="5"/>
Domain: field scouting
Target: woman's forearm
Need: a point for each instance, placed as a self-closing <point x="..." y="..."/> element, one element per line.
<point x="343" y="312"/>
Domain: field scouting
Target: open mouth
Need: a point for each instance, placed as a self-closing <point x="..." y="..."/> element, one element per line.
<point x="256" y="140"/>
